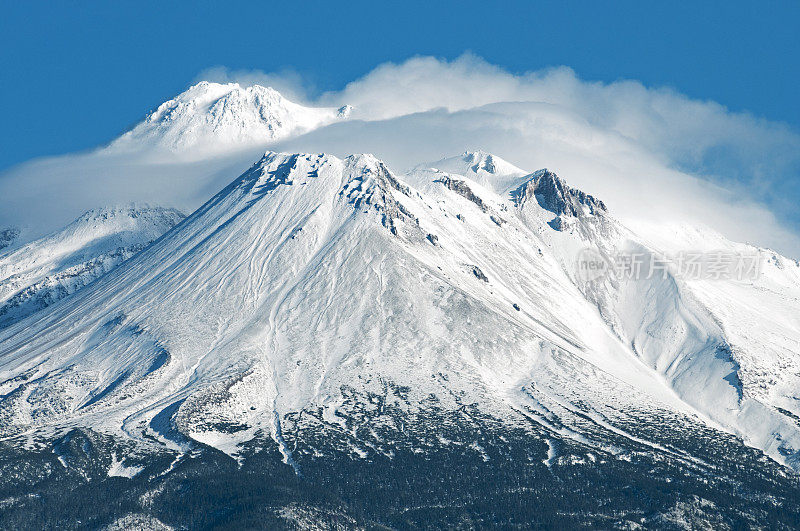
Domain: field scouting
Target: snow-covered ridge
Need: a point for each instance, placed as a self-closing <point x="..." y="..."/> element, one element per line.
<point x="211" y="117"/>
<point x="50" y="268"/>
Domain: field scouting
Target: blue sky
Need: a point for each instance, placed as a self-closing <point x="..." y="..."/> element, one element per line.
<point x="76" y="74"/>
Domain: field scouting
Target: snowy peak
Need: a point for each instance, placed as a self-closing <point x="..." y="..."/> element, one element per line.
<point x="371" y="186"/>
<point x="276" y="169"/>
<point x="139" y="216"/>
<point x="472" y="163"/>
<point x="212" y="117"/>
<point x="371" y="175"/>
<point x="484" y="168"/>
<point x="299" y="174"/>
<point x="361" y="182"/>
<point x="106" y="227"/>
<point x="480" y="162"/>
<point x="552" y="193"/>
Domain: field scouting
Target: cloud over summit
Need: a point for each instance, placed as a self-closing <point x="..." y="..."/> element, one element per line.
<point x="651" y="154"/>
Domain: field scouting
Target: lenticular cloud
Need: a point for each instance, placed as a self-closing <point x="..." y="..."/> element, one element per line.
<point x="653" y="155"/>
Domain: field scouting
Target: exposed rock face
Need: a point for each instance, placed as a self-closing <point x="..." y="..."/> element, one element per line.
<point x="553" y="194"/>
<point x="463" y="189"/>
<point x="372" y="186"/>
<point x="7" y="236"/>
<point x="479" y="274"/>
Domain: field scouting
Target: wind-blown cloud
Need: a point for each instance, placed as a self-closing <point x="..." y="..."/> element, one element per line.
<point x="653" y="155"/>
<point x="633" y="182"/>
<point x="697" y="136"/>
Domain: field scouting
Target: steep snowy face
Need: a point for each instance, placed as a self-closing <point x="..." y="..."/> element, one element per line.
<point x="698" y="333"/>
<point x="47" y="270"/>
<point x="212" y="117"/>
<point x="703" y="334"/>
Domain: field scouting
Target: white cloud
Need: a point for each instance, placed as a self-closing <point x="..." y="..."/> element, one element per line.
<point x="697" y="136"/>
<point x="635" y="183"/>
<point x="625" y="137"/>
<point x="652" y="154"/>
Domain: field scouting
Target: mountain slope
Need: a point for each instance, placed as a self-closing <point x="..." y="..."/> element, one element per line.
<point x="687" y="329"/>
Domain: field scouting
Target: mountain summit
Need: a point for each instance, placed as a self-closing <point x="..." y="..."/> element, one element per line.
<point x="555" y="195"/>
<point x="211" y="117"/>
<point x="484" y="168"/>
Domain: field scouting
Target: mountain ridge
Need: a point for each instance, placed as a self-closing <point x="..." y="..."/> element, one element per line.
<point x="46" y="270"/>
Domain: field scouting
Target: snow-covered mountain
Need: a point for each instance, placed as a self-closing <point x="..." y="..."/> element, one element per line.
<point x="210" y="118"/>
<point x="39" y="273"/>
<point x="310" y="274"/>
<point x="326" y="312"/>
